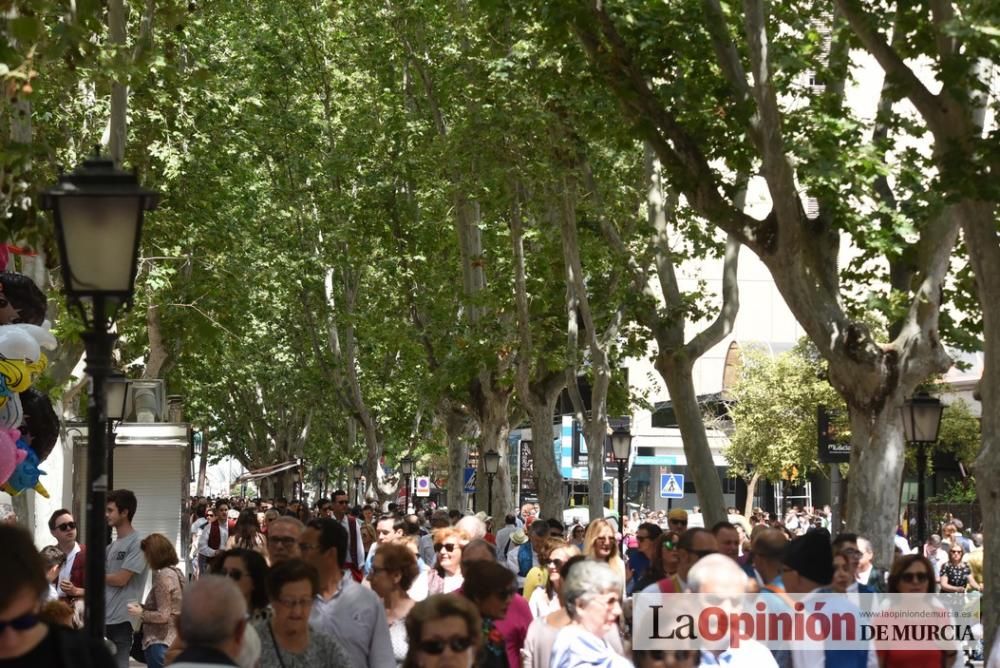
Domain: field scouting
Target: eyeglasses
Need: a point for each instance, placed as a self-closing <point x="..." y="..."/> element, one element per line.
<point x="448" y="547"/>
<point x="668" y="545"/>
<point x="294" y="602"/>
<point x="66" y="526"/>
<point x="915" y="578"/>
<point x="26" y="621"/>
<point x="287" y="541"/>
<point x="457" y="644"/>
<point x="233" y="573"/>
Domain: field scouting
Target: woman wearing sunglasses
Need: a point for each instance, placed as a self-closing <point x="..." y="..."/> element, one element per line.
<point x="446" y="576"/>
<point x="286" y="639"/>
<point x="24" y="640"/>
<point x="248" y="569"/>
<point x="443" y="632"/>
<point x="956" y="576"/>
<point x="600" y="544"/>
<point x="665" y="561"/>
<point x="913" y="574"/>
<point x="554" y="553"/>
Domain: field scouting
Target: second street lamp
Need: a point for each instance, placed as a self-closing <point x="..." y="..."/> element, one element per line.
<point x="491" y="460"/>
<point x="406" y="468"/>
<point x="921" y="423"/>
<point x="98" y="211"/>
<point x="621" y="446"/>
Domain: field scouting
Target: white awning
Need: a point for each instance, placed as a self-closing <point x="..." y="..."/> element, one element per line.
<point x="267" y="472"/>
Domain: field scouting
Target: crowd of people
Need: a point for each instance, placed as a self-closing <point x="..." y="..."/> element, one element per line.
<point x="279" y="584"/>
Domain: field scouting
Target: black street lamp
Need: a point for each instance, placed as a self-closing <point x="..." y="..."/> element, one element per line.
<point x="98" y="211"/>
<point x="406" y="468"/>
<point x="621" y="446"/>
<point x="921" y="423"/>
<point x="491" y="460"/>
<point x="115" y="399"/>
<point x="358" y="471"/>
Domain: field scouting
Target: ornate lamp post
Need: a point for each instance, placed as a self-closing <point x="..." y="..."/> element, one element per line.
<point x="357" y="471"/>
<point x="98" y="211"/>
<point x="406" y="468"/>
<point x="921" y="423"/>
<point x="621" y="446"/>
<point x="491" y="460"/>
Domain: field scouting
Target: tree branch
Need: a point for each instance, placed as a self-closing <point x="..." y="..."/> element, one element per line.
<point x="723" y="323"/>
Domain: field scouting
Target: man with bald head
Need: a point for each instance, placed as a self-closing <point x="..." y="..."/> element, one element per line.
<point x="212" y="623"/>
<point x="767" y="548"/>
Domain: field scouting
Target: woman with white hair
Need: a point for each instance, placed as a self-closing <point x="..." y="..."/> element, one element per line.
<point x="591" y="592"/>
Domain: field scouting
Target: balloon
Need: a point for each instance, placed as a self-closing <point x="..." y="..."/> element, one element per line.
<point x="10" y="454"/>
<point x="41" y="426"/>
<point x="26" y="473"/>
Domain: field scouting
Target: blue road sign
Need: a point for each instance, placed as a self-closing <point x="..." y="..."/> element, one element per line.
<point x="469" y="486"/>
<point x="671" y="485"/>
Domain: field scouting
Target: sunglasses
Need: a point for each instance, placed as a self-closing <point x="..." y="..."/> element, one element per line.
<point x="66" y="526"/>
<point x="554" y="563"/>
<point x="669" y="545"/>
<point x="233" y="573"/>
<point x="915" y="578"/>
<point x="458" y="644"/>
<point x="448" y="547"/>
<point x="22" y="623"/>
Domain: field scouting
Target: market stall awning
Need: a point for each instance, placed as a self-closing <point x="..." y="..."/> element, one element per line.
<point x="267" y="471"/>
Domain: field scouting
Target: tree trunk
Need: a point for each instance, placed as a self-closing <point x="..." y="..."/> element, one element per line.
<point x="979" y="225"/>
<point x="491" y="404"/>
<point x="751" y="492"/>
<point x="548" y="478"/>
<point x="457" y="428"/>
<point x="680" y="383"/>
<point x="119" y="91"/>
<point x="202" y="466"/>
<point x="877" y="460"/>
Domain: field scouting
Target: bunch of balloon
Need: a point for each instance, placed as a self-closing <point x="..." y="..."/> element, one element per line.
<point x="29" y="427"/>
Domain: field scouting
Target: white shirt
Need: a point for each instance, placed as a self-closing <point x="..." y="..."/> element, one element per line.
<point x="355" y="617"/>
<point x="206" y="533"/>
<point x="68" y="566"/>
<point x="357" y="559"/>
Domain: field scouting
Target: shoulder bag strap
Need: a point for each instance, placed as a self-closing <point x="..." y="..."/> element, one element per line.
<point x="277" y="650"/>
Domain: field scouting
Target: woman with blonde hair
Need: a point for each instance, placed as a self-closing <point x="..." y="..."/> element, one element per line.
<point x="554" y="553"/>
<point x="446" y="576"/>
<point x="163" y="604"/>
<point x="599" y="544"/>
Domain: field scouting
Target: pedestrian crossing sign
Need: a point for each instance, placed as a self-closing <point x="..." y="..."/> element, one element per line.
<point x="671" y="486"/>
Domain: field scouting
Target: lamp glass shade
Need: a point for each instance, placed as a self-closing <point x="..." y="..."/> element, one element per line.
<point x="358" y="471"/>
<point x="99" y="236"/>
<point x="621" y="445"/>
<point x="491" y="460"/>
<point x="115" y="396"/>
<point x="922" y="418"/>
<point x="406" y="465"/>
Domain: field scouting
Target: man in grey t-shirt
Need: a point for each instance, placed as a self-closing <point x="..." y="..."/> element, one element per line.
<point x="126" y="572"/>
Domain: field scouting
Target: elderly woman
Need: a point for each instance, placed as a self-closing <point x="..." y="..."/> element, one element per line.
<point x="443" y="631"/>
<point x="286" y="640"/>
<point x="163" y="604"/>
<point x="591" y="592"/>
<point x="394" y="568"/>
<point x="599" y="544"/>
<point x="446" y="576"/>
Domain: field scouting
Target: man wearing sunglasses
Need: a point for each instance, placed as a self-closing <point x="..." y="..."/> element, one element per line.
<point x="62" y="526"/>
<point x="692" y="546"/>
<point x="354" y="554"/>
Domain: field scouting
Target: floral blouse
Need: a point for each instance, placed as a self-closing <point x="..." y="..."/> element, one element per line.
<point x="162" y="608"/>
<point x="958" y="574"/>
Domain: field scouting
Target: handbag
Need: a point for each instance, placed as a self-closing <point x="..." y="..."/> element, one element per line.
<point x="137" y="652"/>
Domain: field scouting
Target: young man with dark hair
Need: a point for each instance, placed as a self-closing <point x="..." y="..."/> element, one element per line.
<point x="63" y="528"/>
<point x="344" y="609"/>
<point x="126" y="571"/>
<point x="353" y="553"/>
